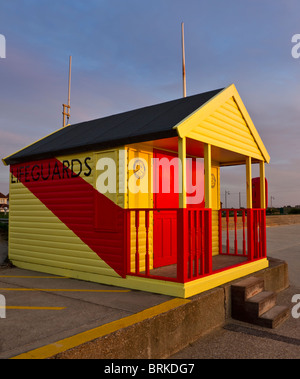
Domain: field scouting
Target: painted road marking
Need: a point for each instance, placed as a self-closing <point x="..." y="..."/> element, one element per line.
<point x="71" y="342"/>
<point x="32" y="308"/>
<point x="59" y="290"/>
<point x="34" y="277"/>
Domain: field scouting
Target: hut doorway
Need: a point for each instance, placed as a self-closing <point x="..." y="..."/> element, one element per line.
<point x="166" y="188"/>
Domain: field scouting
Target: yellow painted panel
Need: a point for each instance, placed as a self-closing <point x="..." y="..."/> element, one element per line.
<point x="215" y="192"/>
<point x="221" y="144"/>
<point x="139" y="155"/>
<point x="71" y="264"/>
<point x="215" y="232"/>
<point x="53" y="250"/>
<point x="221" y="136"/>
<point x="140" y="183"/>
<point x="215" y="280"/>
<point x="232" y="107"/>
<point x="223" y="128"/>
<point x="141" y="240"/>
<point x="215" y="187"/>
<point x="224" y="122"/>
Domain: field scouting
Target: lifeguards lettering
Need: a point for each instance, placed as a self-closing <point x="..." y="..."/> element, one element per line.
<point x="42" y="170"/>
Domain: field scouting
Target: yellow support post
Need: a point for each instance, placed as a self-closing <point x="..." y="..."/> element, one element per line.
<point x="207" y="175"/>
<point x="249" y="182"/>
<point x="182" y="171"/>
<point x="262" y="185"/>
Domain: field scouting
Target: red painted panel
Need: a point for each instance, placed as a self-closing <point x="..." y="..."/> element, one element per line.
<point x="59" y="189"/>
<point x="166" y="188"/>
<point x="164" y="238"/>
<point x="195" y="183"/>
<point x="256" y="192"/>
<point x="165" y="180"/>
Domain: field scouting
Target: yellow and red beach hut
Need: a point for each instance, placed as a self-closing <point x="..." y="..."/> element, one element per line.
<point x="133" y="199"/>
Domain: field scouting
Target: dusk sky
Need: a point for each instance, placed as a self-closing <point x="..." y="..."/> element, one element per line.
<point x="127" y="54"/>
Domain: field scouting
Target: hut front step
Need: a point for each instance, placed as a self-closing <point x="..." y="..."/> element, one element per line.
<point x="252" y="304"/>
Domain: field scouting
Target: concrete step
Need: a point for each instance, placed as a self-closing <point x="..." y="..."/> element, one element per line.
<point x="274" y="317"/>
<point x="260" y="303"/>
<point x="246" y="288"/>
<point x="250" y="303"/>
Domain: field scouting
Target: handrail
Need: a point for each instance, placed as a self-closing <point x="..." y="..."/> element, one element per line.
<point x="253" y="225"/>
<point x="243" y="232"/>
<point x="193" y="243"/>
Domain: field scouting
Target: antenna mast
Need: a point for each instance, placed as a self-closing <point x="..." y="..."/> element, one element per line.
<point x="183" y="60"/>
<point x="66" y="108"/>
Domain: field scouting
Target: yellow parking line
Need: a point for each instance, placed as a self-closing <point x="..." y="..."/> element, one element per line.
<point x="32" y="308"/>
<point x="59" y="290"/>
<point x="71" y="342"/>
<point x="34" y="277"/>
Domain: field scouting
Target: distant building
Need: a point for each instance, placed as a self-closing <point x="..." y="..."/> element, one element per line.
<point x="3" y="199"/>
<point x="4" y="202"/>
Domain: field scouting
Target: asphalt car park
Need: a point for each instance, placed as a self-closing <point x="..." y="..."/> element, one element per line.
<point x="41" y="309"/>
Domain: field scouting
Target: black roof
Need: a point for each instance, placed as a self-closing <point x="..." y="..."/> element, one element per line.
<point x="139" y="125"/>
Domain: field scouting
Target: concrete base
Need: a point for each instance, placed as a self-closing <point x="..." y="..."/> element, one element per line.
<point x="168" y="332"/>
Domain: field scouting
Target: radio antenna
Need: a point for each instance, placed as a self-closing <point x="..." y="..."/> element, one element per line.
<point x="183" y="60"/>
<point x="67" y="107"/>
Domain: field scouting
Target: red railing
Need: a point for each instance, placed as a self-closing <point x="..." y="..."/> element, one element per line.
<point x="194" y="244"/>
<point x="244" y="233"/>
<point x="192" y="236"/>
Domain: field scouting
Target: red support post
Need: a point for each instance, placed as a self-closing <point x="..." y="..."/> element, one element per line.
<point x="208" y="238"/>
<point x="244" y="237"/>
<point x="259" y="235"/>
<point x="137" y="254"/>
<point x="190" y="251"/>
<point x="202" y="243"/>
<point x="235" y="233"/>
<point x="264" y="234"/>
<point x="127" y="242"/>
<point x="197" y="232"/>
<point x="220" y="232"/>
<point x="227" y="225"/>
<point x="182" y="245"/>
<point x="255" y="235"/>
<point x="250" y="234"/>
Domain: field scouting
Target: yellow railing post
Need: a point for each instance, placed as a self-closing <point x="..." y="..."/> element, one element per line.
<point x="262" y="185"/>
<point x="249" y="182"/>
<point x="207" y="175"/>
<point x="182" y="171"/>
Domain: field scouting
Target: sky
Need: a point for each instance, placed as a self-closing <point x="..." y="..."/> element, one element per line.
<point x="126" y="54"/>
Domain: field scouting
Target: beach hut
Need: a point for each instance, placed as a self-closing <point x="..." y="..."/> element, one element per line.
<point x="133" y="199"/>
